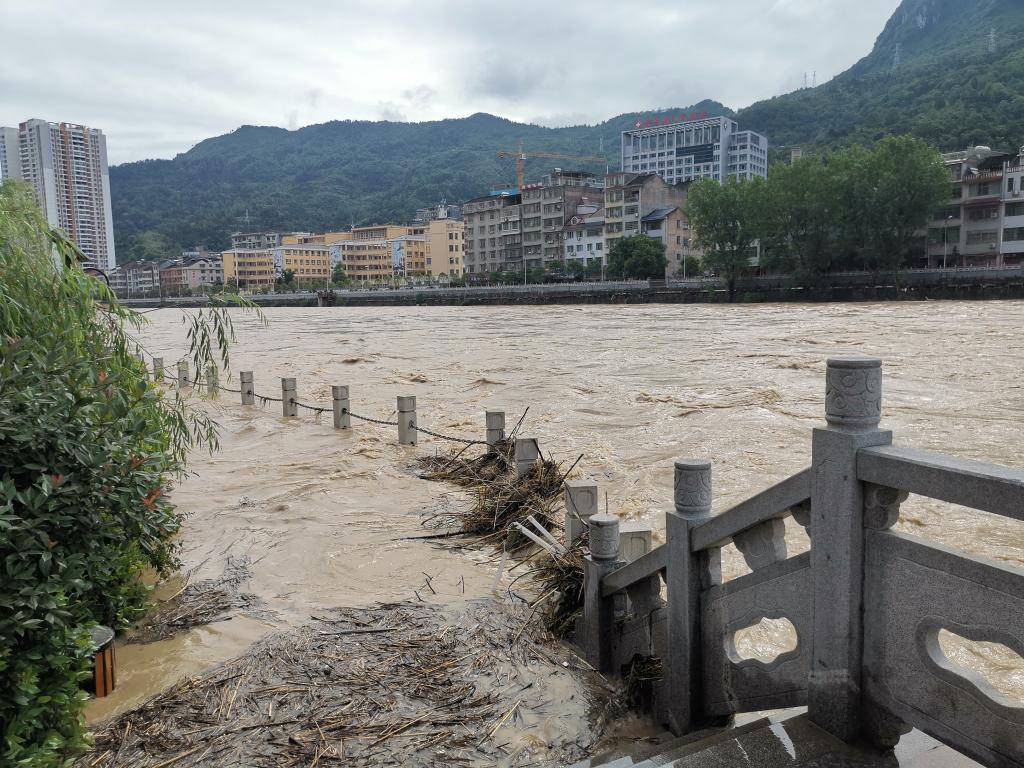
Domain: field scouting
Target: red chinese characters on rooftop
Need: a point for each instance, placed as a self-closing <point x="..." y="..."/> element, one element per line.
<point x="652" y="122"/>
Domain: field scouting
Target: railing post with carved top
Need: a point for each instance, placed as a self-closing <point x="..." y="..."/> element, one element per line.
<point x="685" y="575"/>
<point x="158" y="369"/>
<point x="853" y="409"/>
<point x="182" y="374"/>
<point x="598" y="622"/>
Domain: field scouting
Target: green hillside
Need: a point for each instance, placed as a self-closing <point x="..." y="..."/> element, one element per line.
<point x="335" y="174"/>
<point x="948" y="71"/>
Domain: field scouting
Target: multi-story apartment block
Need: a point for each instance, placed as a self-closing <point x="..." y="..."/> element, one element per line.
<point x="492" y="235"/>
<point x="547" y="207"/>
<point x="248" y="269"/>
<point x="445" y="247"/>
<point x="255" y="241"/>
<point x="440" y="211"/>
<point x="982" y="224"/>
<point x="672" y="228"/>
<point x="192" y="272"/>
<point x="583" y="237"/>
<point x="136" y="278"/>
<point x="629" y="197"/>
<point x="367" y="256"/>
<point x="1012" y="246"/>
<point x="66" y="166"/>
<point x="308" y="263"/>
<point x="685" y="149"/>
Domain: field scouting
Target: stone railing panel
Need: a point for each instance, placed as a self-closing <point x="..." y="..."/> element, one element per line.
<point x="776" y="591"/>
<point x="913" y="590"/>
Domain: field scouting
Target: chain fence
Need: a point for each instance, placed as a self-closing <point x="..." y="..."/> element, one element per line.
<point x="169" y="378"/>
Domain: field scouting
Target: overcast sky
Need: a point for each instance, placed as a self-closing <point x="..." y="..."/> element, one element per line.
<point x="158" y="77"/>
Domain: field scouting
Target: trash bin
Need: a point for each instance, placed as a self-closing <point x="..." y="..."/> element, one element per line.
<point x="104" y="677"/>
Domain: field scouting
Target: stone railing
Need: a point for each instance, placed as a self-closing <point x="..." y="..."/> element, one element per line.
<point x="867" y="603"/>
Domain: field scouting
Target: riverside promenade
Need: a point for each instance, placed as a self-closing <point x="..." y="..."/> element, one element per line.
<point x="911" y="285"/>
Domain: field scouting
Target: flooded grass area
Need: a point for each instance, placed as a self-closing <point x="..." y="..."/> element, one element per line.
<point x="404" y="684"/>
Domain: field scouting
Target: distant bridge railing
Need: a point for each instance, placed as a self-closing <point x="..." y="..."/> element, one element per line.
<point x="867" y="603"/>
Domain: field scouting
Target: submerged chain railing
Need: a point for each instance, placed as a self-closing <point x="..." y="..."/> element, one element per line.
<point x="408" y="428"/>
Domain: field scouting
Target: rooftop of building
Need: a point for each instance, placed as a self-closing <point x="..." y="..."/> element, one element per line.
<point x="660" y="213"/>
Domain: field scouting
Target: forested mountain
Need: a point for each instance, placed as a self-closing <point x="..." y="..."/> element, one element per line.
<point x="332" y="175"/>
<point x="948" y="71"/>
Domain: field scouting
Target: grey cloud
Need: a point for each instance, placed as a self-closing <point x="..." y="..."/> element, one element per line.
<point x="388" y="110"/>
<point x="157" y="80"/>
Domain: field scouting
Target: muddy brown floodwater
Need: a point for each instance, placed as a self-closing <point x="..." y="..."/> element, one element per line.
<point x="322" y="515"/>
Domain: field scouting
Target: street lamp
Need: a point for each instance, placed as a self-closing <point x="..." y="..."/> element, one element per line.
<point x="945" y="239"/>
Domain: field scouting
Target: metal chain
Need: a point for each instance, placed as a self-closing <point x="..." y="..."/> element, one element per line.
<point x="462" y="440"/>
<point x="373" y="421"/>
<point x="316" y="408"/>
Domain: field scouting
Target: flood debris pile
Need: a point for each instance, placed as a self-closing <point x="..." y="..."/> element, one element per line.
<point x="202" y="602"/>
<point x="394" y="684"/>
<point x="519" y="514"/>
<point x="503" y="503"/>
<point x="559" y="579"/>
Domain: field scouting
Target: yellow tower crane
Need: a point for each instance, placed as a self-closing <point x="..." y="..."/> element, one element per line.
<point x="521" y="156"/>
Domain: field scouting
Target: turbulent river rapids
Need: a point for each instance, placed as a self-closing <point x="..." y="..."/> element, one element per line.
<point x="323" y="518"/>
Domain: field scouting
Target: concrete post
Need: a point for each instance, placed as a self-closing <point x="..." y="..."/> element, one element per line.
<point x="407" y="431"/>
<point x="853" y="409"/>
<point x="288" y="398"/>
<point x="527" y="453"/>
<point x="182" y="374"/>
<point x="598" y="623"/>
<point x="495" y="427"/>
<point x="685" y="575"/>
<point x="158" y="369"/>
<point x="635" y="540"/>
<point x="211" y="380"/>
<point x="245" y="383"/>
<point x="581" y="498"/>
<point x="339" y="396"/>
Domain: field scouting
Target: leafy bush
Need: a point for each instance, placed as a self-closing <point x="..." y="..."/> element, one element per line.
<point x="87" y="449"/>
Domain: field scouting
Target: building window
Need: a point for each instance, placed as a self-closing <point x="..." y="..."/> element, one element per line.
<point x="1013" y="234"/>
<point x="1015" y="209"/>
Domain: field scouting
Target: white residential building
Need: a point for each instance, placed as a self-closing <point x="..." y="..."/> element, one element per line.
<point x="66" y="165"/>
<point x="684" y="149"/>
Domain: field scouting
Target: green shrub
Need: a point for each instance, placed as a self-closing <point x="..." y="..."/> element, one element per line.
<point x="87" y="449"/>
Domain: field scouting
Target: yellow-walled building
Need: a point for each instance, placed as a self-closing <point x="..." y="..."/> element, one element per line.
<point x="445" y="247"/>
<point x="248" y="269"/>
<point x="309" y="263"/>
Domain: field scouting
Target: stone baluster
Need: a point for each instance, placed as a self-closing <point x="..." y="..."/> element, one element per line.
<point x="598" y="622"/>
<point x="288" y="397"/>
<point x="763" y="544"/>
<point x="686" y="574"/>
<point x="182" y="374"/>
<point x="526" y="455"/>
<point x="339" y="398"/>
<point x="495" y="428"/>
<point x="853" y="409"/>
<point x="245" y="383"/>
<point x="407" y="431"/>
<point x="158" y="369"/>
<point x="580" y="497"/>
